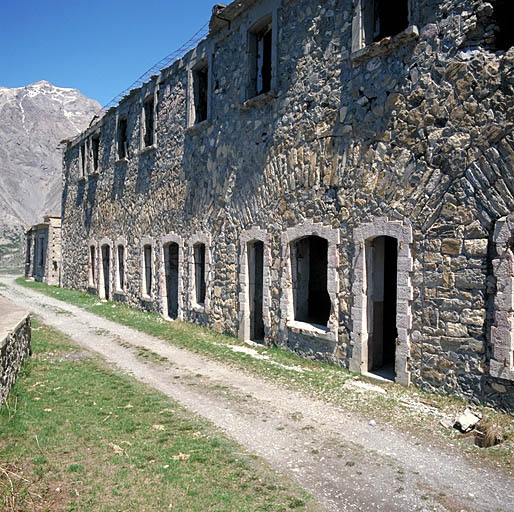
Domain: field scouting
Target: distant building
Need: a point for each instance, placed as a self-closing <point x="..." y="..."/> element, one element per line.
<point x="335" y="177"/>
<point x="43" y="251"/>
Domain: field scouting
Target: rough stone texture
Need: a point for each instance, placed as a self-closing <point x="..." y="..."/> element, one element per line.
<point x="43" y="251"/>
<point x="416" y="131"/>
<point x="14" y="344"/>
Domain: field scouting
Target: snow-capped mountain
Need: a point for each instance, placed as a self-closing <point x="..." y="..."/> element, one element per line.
<point x="33" y="120"/>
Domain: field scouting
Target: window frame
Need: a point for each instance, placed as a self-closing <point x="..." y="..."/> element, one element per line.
<point x="201" y="58"/>
<point x="203" y="238"/>
<point x="120" y="242"/>
<point x="92" y="277"/>
<point x="261" y="14"/>
<point x="145" y="242"/>
<point x="364" y="47"/>
<point x="287" y="321"/>
<point x="151" y="95"/>
<point x="122" y="118"/>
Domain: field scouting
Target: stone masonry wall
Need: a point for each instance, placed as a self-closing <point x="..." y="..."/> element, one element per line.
<point x="414" y="130"/>
<point x="14" y="345"/>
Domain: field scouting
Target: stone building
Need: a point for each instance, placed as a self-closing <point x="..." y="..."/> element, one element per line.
<point x="43" y="251"/>
<point x="334" y="177"/>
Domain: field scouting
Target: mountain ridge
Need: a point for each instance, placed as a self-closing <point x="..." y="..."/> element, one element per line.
<point x="34" y="119"/>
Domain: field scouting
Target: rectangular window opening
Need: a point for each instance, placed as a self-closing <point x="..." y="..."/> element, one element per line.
<point x="95" y="147"/>
<point x="122" y="138"/>
<point x="92" y="264"/>
<point x="503" y="15"/>
<point x="201" y="92"/>
<point x="149" y="122"/>
<point x="121" y="267"/>
<point x="309" y="257"/>
<point x="82" y="160"/>
<point x="260" y="40"/>
<point x="384" y="18"/>
<point x="171" y="269"/>
<point x="41" y="251"/>
<point x="148" y="269"/>
<point x="199" y="260"/>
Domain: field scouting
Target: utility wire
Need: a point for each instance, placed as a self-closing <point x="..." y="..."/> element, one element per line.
<point x="162" y="64"/>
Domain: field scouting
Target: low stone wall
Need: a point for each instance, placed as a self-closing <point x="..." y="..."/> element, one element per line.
<point x="14" y="344"/>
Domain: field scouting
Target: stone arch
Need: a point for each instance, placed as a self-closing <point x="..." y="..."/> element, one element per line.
<point x="200" y="238"/>
<point x="248" y="236"/>
<point x="502" y="330"/>
<point x="287" y="320"/>
<point x="362" y="236"/>
<point x="171" y="238"/>
<point x="105" y="251"/>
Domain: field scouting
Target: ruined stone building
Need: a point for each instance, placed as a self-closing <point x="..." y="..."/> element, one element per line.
<point x="43" y="251"/>
<point x="335" y="177"/>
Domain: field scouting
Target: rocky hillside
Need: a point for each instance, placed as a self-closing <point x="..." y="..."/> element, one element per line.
<point x="33" y="120"/>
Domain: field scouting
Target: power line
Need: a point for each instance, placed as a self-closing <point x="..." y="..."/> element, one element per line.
<point x="162" y="64"/>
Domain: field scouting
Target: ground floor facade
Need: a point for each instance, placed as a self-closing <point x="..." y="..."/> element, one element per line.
<point x="381" y="299"/>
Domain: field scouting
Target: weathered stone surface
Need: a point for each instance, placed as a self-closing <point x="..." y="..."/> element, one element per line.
<point x="451" y="246"/>
<point x="406" y="134"/>
<point x="14" y="344"/>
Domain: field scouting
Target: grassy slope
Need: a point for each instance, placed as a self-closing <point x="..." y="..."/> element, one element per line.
<point x="77" y="436"/>
<point x="321" y="380"/>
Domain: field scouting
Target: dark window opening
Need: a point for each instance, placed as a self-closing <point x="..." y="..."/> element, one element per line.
<point x="201" y="93"/>
<point x="29" y="249"/>
<point x="199" y="260"/>
<point x="148" y="269"/>
<point x="171" y="273"/>
<point x="92" y="263"/>
<point x="121" y="267"/>
<point x="504" y="14"/>
<point x="122" y="138"/>
<point x="382" y="291"/>
<point x="82" y="160"/>
<point x="41" y="252"/>
<point x="261" y="58"/>
<point x="255" y="252"/>
<point x="106" y="267"/>
<point x="149" y="122"/>
<point x="385" y="18"/>
<point x="95" y="146"/>
<point x="309" y="258"/>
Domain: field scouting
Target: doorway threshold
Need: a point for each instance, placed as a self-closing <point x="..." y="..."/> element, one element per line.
<point x="384" y="374"/>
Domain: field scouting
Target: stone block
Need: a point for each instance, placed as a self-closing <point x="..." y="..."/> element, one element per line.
<point x="451" y="246"/>
<point x="477" y="247"/>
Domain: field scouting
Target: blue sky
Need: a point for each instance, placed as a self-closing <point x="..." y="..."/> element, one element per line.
<point x="99" y="47"/>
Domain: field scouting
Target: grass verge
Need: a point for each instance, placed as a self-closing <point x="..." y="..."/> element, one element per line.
<point x="77" y="436"/>
<point x="408" y="409"/>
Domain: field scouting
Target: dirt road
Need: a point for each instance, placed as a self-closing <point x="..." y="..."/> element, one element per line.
<point x="346" y="463"/>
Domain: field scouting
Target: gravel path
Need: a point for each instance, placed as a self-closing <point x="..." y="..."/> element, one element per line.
<point x="345" y="463"/>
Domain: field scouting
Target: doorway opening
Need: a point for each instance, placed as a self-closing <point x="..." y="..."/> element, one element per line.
<point x="255" y="253"/>
<point x="106" y="268"/>
<point x="171" y="274"/>
<point x="199" y="262"/>
<point x="382" y="294"/>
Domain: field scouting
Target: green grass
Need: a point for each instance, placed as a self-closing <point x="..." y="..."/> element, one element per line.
<point x="321" y="380"/>
<point x="75" y="435"/>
